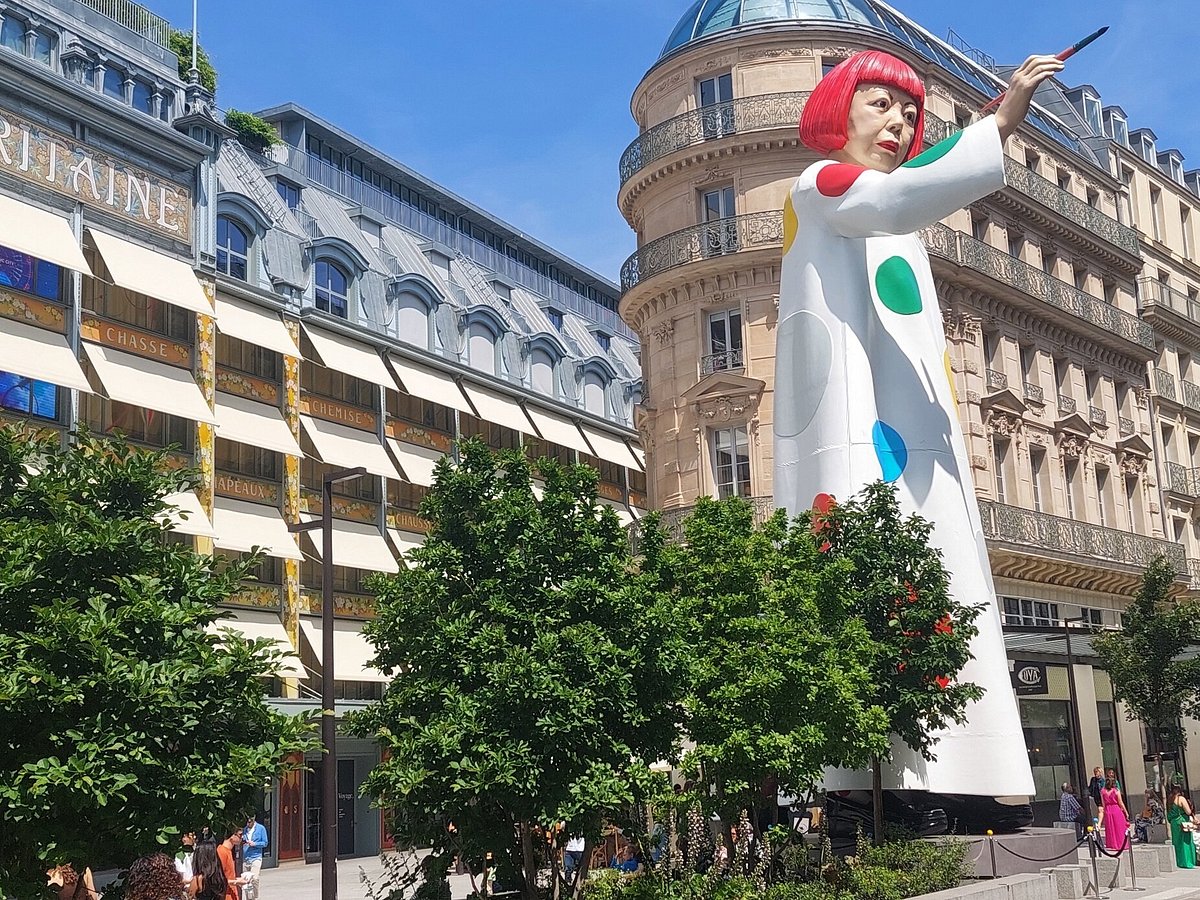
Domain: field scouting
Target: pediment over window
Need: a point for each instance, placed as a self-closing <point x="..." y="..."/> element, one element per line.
<point x="1074" y="423"/>
<point x="1004" y="400"/>
<point x="1134" y="444"/>
<point x="725" y="395"/>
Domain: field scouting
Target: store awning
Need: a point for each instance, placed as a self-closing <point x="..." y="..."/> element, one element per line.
<point x="429" y="384"/>
<point x="259" y="624"/>
<point x="189" y="517"/>
<point x="39" y="354"/>
<point x="351" y="357"/>
<point x="609" y="448"/>
<point x="257" y="424"/>
<point x="254" y="325"/>
<point x="341" y="445"/>
<point x="356" y="545"/>
<point x="405" y="541"/>
<point x="148" y="383"/>
<point x="146" y="271"/>
<point x="640" y="455"/>
<point x="351" y="651"/>
<point x="417" y="462"/>
<point x="41" y="234"/>
<point x="558" y="430"/>
<point x="242" y="526"/>
<point x="497" y="408"/>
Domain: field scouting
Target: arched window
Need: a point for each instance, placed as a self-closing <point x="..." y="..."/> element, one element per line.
<point x="332" y="289"/>
<point x="593" y="393"/>
<point x="412" y="319"/>
<point x="541" y="372"/>
<point x="232" y="244"/>
<point x="481" y="348"/>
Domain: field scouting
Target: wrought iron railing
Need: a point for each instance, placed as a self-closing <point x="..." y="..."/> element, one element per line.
<point x="757" y="113"/>
<point x="1193" y="574"/>
<point x="136" y="18"/>
<point x="1066" y="405"/>
<point x="1025" y="527"/>
<point x="1067" y="205"/>
<point x="1183" y="480"/>
<point x="996" y="381"/>
<point x="1036" y="283"/>
<point x="1164" y="384"/>
<point x="704" y="241"/>
<point x="1034" y="392"/>
<point x="941" y="241"/>
<point x="1152" y="291"/>
<point x="1125" y="426"/>
<point x="1097" y="416"/>
<point x="720" y="362"/>
<point x="1191" y="394"/>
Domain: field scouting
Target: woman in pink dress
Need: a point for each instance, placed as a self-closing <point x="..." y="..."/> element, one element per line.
<point x="1116" y="816"/>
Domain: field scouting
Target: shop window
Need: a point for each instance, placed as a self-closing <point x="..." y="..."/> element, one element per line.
<point x="495" y="436"/>
<point x="637" y="480"/>
<point x="268" y="570"/>
<point x="242" y="459"/>
<point x="345" y="579"/>
<point x="1046" y="725"/>
<point x="28" y="397"/>
<point x="242" y="356"/>
<point x="312" y="476"/>
<point x="731" y="462"/>
<point x="406" y="495"/>
<point x="137" y="424"/>
<point x="421" y="412"/>
<point x="338" y="386"/>
<point x="609" y="472"/>
<point x="23" y="272"/>
<point x="111" y="301"/>
<point x="536" y="448"/>
<point x="332" y="288"/>
<point x="232" y="248"/>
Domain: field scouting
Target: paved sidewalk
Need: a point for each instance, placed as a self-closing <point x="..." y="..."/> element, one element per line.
<point x="298" y="881"/>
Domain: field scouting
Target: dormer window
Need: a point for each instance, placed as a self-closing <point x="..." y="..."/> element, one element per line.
<point x="1147" y="150"/>
<point x="232" y="248"/>
<point x="288" y="192"/>
<point x="1091" y="112"/>
<point x="1118" y="128"/>
<point x="12" y="35"/>
<point x="143" y="97"/>
<point x="604" y="340"/>
<point x="555" y="317"/>
<point x="333" y="289"/>
<point x="1175" y="169"/>
<point x="114" y="84"/>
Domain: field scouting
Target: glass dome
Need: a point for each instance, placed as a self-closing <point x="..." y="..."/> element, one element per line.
<point x="708" y="17"/>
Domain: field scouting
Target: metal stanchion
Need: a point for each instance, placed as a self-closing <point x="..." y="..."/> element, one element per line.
<point x="992" y="852"/>
<point x="1095" y="865"/>
<point x="1133" y="885"/>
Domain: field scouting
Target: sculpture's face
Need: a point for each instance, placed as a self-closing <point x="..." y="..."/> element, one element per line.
<point x="880" y="128"/>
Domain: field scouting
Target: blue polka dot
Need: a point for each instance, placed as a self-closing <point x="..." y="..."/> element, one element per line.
<point x="889" y="450"/>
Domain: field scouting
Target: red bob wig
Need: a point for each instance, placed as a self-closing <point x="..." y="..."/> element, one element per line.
<point x="823" y="122"/>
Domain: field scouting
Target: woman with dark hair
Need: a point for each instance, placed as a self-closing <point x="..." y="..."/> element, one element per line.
<point x="154" y="877"/>
<point x="209" y="881"/>
<point x="1179" y="814"/>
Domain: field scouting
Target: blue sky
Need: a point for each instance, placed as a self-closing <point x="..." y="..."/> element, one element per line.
<point x="523" y="106"/>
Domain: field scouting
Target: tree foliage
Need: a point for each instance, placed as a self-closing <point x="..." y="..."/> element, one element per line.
<point x="1145" y="659"/>
<point x="181" y="46"/>
<point x="120" y="717"/>
<point x="541" y="672"/>
<point x="780" y="674"/>
<point x="254" y="133"/>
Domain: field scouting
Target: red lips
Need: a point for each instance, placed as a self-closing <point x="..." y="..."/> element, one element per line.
<point x="889" y="146"/>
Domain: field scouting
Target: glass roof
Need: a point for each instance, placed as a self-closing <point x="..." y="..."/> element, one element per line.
<point x="709" y="17"/>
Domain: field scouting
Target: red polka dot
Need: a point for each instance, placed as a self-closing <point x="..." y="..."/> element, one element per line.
<point x="823" y="503"/>
<point x="835" y="180"/>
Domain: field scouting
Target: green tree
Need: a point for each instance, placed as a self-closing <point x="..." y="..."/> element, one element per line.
<point x="1145" y="660"/>
<point x="181" y="46"/>
<point x="254" y="133"/>
<point x="900" y="590"/>
<point x="780" y="682"/>
<point x="121" y="719"/>
<point x="541" y="672"/>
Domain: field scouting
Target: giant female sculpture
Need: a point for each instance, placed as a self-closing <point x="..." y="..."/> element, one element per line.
<point x="862" y="379"/>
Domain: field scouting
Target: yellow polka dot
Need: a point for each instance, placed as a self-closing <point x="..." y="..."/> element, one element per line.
<point x="790" y="225"/>
<point x="950" y="377"/>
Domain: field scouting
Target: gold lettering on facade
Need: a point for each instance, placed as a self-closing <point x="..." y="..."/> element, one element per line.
<point x="337" y="412"/>
<point x="259" y="491"/>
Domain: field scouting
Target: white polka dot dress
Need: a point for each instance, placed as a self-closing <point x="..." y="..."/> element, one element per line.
<point x="863" y="392"/>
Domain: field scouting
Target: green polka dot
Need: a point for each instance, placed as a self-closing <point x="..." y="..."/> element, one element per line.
<point x="896" y="285"/>
<point x="934" y="153"/>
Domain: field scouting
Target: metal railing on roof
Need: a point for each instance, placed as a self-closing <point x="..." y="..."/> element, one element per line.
<point x="136" y="18"/>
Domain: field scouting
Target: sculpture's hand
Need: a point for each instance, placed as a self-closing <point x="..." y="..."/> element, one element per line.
<point x="1025" y="80"/>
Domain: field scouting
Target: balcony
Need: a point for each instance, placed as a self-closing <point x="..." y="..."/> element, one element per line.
<point x="996" y="381"/>
<point x="1183" y="480"/>
<point x="721" y="362"/>
<point x="1043" y="532"/>
<point x="136" y="18"/>
<point x="1191" y="394"/>
<point x="1193" y="574"/>
<point x="699" y="242"/>
<point x="1125" y="426"/>
<point x="758" y="113"/>
<point x="1097" y="417"/>
<point x="1154" y="293"/>
<point x="1066" y="405"/>
<point x="1033" y="393"/>
<point x="964" y="250"/>
<point x="1164" y="384"/>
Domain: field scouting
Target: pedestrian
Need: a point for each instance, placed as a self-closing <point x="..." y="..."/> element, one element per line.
<point x="1151" y="814"/>
<point x="1179" y="814"/>
<point x="1116" y="816"/>
<point x="572" y="855"/>
<point x="154" y="877"/>
<point x="209" y="881"/>
<point x="226" y="851"/>
<point x="1095" y="786"/>
<point x="1070" y="810"/>
<point x="254" y="842"/>
<point x="183" y="859"/>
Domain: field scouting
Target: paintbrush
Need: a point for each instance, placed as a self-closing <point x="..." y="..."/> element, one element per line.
<point x="1064" y="56"/>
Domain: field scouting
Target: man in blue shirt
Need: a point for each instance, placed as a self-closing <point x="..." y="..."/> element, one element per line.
<point x="254" y="842"/>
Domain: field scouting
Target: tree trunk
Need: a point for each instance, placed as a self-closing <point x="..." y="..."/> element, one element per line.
<point x="877" y="798"/>
<point x="581" y="871"/>
<point x="528" y="863"/>
<point x="1162" y="778"/>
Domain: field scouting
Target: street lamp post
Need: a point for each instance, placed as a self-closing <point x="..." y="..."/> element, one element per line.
<point x="329" y="824"/>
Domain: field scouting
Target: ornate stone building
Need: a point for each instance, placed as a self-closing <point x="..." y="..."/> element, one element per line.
<point x="1060" y="294"/>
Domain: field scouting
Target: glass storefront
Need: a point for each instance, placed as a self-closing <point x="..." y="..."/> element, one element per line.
<point x="1046" y="723"/>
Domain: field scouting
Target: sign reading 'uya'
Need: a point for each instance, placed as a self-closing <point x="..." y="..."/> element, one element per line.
<point x="1029" y="678"/>
<point x="34" y="153"/>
